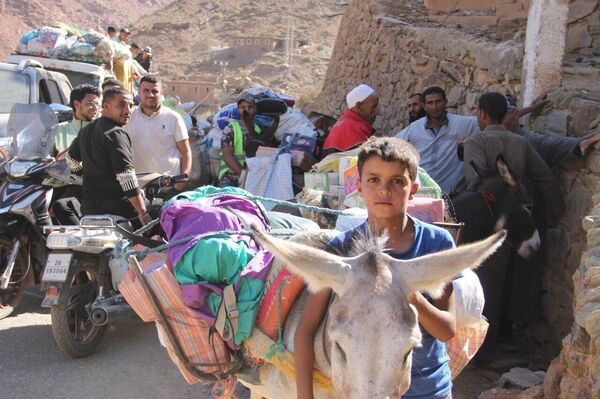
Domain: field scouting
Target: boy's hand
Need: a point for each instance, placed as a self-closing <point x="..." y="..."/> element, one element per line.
<point x="413" y="298"/>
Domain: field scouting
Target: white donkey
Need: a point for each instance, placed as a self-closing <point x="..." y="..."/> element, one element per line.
<point x="371" y="328"/>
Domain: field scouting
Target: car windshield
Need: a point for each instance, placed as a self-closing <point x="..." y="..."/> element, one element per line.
<point x="15" y="89"/>
<point x="31" y="129"/>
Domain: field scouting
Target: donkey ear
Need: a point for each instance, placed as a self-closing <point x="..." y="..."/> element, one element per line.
<point x="318" y="268"/>
<point x="504" y="171"/>
<point x="430" y="273"/>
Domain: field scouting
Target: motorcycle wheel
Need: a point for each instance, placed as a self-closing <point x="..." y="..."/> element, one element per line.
<point x="72" y="328"/>
<point x="11" y="296"/>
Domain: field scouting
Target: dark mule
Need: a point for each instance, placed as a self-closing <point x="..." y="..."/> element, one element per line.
<point x="499" y="202"/>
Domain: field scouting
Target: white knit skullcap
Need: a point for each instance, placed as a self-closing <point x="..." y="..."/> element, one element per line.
<point x="358" y="94"/>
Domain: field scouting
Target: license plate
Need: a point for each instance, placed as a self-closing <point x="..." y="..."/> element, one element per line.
<point x="57" y="267"/>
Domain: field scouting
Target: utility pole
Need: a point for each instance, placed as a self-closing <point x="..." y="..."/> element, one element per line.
<point x="289" y="45"/>
<point x="221" y="76"/>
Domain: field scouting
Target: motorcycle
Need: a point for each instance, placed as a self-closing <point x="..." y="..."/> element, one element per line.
<point x="85" y="266"/>
<point x="25" y="195"/>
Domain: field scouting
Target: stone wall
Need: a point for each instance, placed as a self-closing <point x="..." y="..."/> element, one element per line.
<point x="375" y="47"/>
<point x="568" y="113"/>
<point x="476" y="12"/>
<point x="398" y="53"/>
<point x="574" y="251"/>
<point x="582" y="46"/>
<point x="583" y="29"/>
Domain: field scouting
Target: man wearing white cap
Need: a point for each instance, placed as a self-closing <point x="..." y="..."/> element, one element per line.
<point x="355" y="126"/>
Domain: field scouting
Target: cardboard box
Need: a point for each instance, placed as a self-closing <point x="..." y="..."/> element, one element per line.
<point x="316" y="181"/>
<point x="351" y="180"/>
<point x="345" y="163"/>
<point x="334" y="179"/>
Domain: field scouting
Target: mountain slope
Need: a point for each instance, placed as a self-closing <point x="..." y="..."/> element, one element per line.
<point x="189" y="39"/>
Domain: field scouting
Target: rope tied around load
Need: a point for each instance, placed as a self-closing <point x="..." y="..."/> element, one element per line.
<point x="141" y="254"/>
<point x="277" y="347"/>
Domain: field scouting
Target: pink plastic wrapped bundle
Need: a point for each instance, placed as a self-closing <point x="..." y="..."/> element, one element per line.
<point x="427" y="209"/>
<point x="50" y="37"/>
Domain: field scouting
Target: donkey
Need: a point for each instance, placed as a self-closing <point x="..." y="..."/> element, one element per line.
<point x="371" y="329"/>
<point x="499" y="201"/>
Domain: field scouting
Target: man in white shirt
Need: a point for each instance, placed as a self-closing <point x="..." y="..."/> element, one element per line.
<point x="436" y="138"/>
<point x="158" y="134"/>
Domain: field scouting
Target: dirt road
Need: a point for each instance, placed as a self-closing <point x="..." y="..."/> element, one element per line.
<point x="129" y="364"/>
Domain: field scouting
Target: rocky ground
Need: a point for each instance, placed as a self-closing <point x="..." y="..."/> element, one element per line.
<point x="131" y="363"/>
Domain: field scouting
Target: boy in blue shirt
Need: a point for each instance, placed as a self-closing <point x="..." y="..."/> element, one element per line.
<point x="388" y="170"/>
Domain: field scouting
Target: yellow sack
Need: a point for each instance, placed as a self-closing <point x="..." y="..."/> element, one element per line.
<point x="259" y="344"/>
<point x="123" y="70"/>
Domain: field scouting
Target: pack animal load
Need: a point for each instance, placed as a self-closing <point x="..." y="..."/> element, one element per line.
<point x="66" y="42"/>
<point x="206" y="292"/>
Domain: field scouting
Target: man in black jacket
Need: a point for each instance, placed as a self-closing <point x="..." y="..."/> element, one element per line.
<point x="103" y="151"/>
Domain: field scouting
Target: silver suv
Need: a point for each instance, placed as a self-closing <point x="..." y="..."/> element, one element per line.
<point x="28" y="83"/>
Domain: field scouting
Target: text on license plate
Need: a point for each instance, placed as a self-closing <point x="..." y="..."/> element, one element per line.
<point x="57" y="267"/>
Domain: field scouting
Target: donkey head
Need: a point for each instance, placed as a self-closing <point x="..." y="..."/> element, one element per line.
<point x="372" y="327"/>
<point x="508" y="204"/>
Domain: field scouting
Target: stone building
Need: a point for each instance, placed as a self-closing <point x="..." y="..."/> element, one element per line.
<point x="404" y="47"/>
<point x="207" y="92"/>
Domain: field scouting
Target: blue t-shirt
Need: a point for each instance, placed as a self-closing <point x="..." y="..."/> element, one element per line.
<point x="430" y="373"/>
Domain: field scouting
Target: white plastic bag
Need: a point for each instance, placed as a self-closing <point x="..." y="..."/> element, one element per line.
<point x="468" y="299"/>
<point x="270" y="177"/>
<point x="467" y="303"/>
<point x="294" y="121"/>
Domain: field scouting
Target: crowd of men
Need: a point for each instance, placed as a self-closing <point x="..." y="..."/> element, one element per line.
<point x="116" y="141"/>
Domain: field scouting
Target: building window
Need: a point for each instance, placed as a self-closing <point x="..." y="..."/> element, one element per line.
<point x="195" y="90"/>
<point x="173" y="88"/>
<point x="257" y="41"/>
<point x="249" y="41"/>
<point x="207" y="90"/>
<point x="267" y="41"/>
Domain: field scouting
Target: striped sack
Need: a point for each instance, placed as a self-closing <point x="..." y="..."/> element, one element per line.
<point x="193" y="333"/>
<point x="465" y="344"/>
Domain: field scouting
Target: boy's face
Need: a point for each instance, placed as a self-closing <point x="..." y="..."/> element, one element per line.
<point x="386" y="188"/>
